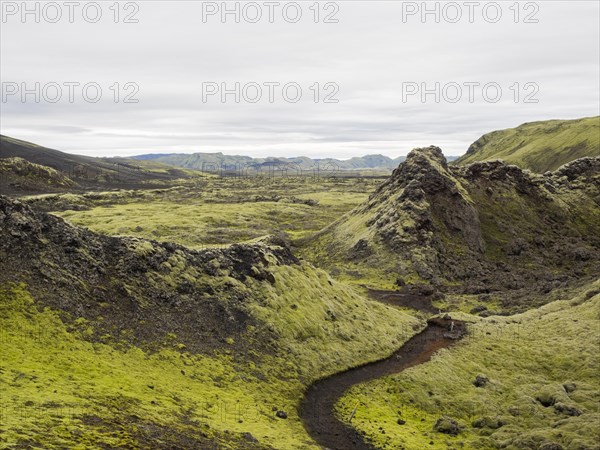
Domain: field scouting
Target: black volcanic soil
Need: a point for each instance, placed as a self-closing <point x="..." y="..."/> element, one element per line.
<point x="317" y="407"/>
<point x="404" y="298"/>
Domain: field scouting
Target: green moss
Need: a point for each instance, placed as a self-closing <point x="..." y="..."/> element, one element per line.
<point x="326" y="324"/>
<point x="222" y="213"/>
<point x="322" y="327"/>
<point x="527" y="358"/>
<point x="19" y="171"/>
<point x="539" y="146"/>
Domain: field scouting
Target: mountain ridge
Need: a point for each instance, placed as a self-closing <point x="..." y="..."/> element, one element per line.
<point x="218" y="160"/>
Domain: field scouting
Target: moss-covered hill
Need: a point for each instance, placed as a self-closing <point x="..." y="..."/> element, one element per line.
<point x="20" y="174"/>
<point x="129" y="343"/>
<point x="484" y="228"/>
<point x="538" y="146"/>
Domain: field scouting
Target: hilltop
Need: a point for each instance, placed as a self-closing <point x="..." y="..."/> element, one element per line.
<point x="538" y="146"/>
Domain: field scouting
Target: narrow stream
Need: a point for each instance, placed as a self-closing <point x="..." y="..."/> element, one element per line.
<point x="317" y="408"/>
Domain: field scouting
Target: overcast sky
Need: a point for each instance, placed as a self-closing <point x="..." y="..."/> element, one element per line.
<point x="376" y="52"/>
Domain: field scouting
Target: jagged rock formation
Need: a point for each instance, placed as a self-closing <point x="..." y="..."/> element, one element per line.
<point x="486" y="226"/>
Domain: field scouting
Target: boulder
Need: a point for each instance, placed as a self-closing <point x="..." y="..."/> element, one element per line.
<point x="447" y="425"/>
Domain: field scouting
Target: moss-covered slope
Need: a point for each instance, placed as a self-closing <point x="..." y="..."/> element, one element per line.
<point x="529" y="381"/>
<point x="18" y="173"/>
<point x="129" y="343"/>
<point x="538" y="146"/>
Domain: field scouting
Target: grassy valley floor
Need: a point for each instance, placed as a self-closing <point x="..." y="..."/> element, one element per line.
<point x="219" y="212"/>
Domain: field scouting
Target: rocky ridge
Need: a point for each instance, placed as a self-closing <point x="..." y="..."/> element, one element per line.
<point x="148" y="288"/>
<point x="488" y="226"/>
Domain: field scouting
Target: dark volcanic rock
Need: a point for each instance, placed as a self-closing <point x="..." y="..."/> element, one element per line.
<point x="546" y="399"/>
<point x="488" y="227"/>
<point x="551" y="446"/>
<point x="480" y="381"/>
<point x="580" y="168"/>
<point x="447" y="425"/>
<point x="248" y="437"/>
<point x="132" y="282"/>
<point x="360" y="250"/>
<point x="567" y="409"/>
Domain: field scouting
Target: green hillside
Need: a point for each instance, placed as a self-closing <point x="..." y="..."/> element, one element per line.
<point x="538" y="146"/>
<point x="129" y="343"/>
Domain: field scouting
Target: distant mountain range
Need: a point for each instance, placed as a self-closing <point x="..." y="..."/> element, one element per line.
<point x="219" y="161"/>
<point x="537" y="146"/>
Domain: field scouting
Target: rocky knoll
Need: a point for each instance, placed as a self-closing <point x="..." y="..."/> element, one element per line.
<point x="136" y="291"/>
<point x="18" y="174"/>
<point x="485" y="227"/>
